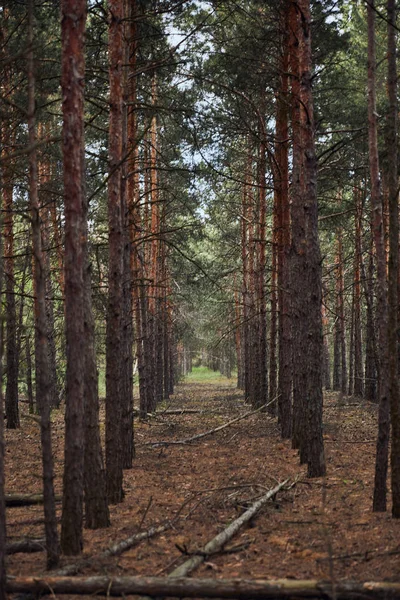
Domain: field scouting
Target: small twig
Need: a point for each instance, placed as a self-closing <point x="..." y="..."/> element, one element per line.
<point x="145" y="512"/>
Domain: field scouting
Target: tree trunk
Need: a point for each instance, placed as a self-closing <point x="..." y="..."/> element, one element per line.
<point x="42" y="374"/>
<point x="11" y="399"/>
<point x="371" y="361"/>
<point x="358" y="368"/>
<point x="393" y="346"/>
<point x="281" y="185"/>
<point x="114" y="473"/>
<point x="307" y="285"/>
<point x="326" y="355"/>
<point x="73" y="70"/>
<point x="3" y="577"/>
<point x="29" y="385"/>
<point x="382" y="449"/>
<point x="96" y="507"/>
<point x="188" y="587"/>
<point x="127" y="304"/>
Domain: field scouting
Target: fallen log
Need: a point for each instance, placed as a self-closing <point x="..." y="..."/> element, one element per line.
<point x="209" y="432"/>
<point x="128" y="543"/>
<point x="240" y="589"/>
<point x="219" y="541"/>
<point x="25" y="499"/>
<point x="114" y="550"/>
<point x="26" y="546"/>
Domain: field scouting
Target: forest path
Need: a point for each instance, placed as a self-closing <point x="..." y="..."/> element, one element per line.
<point x="316" y="529"/>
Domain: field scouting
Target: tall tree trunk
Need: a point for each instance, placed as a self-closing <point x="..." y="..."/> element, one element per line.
<point x="96" y="507"/>
<point x="351" y="348"/>
<point x="261" y="371"/>
<point x="382" y="448"/>
<point x="156" y="243"/>
<point x="281" y="186"/>
<point x="326" y="356"/>
<point x="371" y="361"/>
<point x="358" y="368"/>
<point x="307" y="284"/>
<point x="114" y="471"/>
<point x="42" y="374"/>
<point x="298" y="241"/>
<point x="3" y="574"/>
<point x="340" y="312"/>
<point x="127" y="306"/>
<point x="73" y="71"/>
<point x="11" y="399"/>
<point x="44" y="179"/>
<point x="29" y="385"/>
<point x="273" y="374"/>
<point x="393" y="347"/>
<point x="245" y="225"/>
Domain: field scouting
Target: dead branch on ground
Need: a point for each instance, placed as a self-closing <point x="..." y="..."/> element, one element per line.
<point x="236" y="589"/>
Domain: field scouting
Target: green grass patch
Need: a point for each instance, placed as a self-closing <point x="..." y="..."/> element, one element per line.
<point x="204" y="375"/>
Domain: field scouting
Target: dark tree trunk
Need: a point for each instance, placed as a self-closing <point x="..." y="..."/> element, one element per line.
<point x="393" y="348"/>
<point x="96" y="507"/>
<point x="11" y="399"/>
<point x="114" y="472"/>
<point x="382" y="449"/>
<point x="3" y="574"/>
<point x="29" y="385"/>
<point x="73" y="69"/>
<point x="299" y="319"/>
<point x="281" y="185"/>
<point x="358" y="368"/>
<point x="326" y="354"/>
<point x="261" y="373"/>
<point x="371" y="362"/>
<point x="127" y="304"/>
<point x="307" y="285"/>
<point x="42" y="373"/>
<point x="351" y="348"/>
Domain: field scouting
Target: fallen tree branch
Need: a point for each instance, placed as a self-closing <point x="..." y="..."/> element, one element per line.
<point x="26" y="546"/>
<point x="205" y="588"/>
<point x="219" y="541"/>
<point x="209" y="432"/>
<point x="25" y="499"/>
<point x="125" y="545"/>
<point x="114" y="550"/>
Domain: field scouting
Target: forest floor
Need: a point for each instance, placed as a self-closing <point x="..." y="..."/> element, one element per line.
<point x="320" y="528"/>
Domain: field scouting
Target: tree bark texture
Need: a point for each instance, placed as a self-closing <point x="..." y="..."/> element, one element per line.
<point x="3" y="580"/>
<point x="382" y="448"/>
<point x="114" y="473"/>
<point x="281" y="187"/>
<point x="73" y="70"/>
<point x="12" y="359"/>
<point x="393" y="299"/>
<point x="358" y="368"/>
<point x="188" y="587"/>
<point x="42" y="373"/>
<point x="306" y="259"/>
